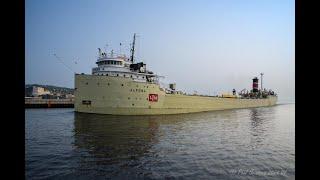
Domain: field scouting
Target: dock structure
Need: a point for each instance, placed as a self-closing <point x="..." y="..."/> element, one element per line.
<point x="48" y="103"/>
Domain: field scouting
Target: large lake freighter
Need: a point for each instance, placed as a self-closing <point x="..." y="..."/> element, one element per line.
<point x="119" y="86"/>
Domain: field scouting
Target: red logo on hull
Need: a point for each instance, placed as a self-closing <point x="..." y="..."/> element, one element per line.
<point x="153" y="97"/>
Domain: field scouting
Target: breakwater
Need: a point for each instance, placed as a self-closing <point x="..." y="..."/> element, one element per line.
<point x="48" y="103"/>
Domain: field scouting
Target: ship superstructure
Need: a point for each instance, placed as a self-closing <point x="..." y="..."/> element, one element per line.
<point x="122" y="66"/>
<point x="120" y="86"/>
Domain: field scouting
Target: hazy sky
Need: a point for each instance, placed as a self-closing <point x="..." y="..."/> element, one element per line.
<point x="205" y="46"/>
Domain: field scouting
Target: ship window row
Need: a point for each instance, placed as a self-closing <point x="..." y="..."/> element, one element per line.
<point x="103" y="74"/>
<point x="111" y="62"/>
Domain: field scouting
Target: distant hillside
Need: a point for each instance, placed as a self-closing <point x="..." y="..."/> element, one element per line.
<point x="53" y="89"/>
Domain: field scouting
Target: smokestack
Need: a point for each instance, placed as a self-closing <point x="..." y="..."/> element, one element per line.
<point x="255" y="84"/>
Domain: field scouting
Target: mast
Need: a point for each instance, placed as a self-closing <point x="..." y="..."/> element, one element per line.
<point x="261" y="81"/>
<point x="132" y="49"/>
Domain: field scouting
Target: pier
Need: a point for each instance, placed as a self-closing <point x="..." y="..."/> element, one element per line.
<point x="48" y="103"/>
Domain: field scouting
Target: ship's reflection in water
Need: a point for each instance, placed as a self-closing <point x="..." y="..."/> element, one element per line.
<point x="114" y="139"/>
<point x="123" y="146"/>
<point x="261" y="121"/>
<point x="232" y="144"/>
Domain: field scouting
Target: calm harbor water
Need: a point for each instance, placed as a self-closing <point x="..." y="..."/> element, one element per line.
<point x="256" y="143"/>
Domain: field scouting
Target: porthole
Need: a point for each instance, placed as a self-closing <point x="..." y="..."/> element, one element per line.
<point x="121" y="84"/>
<point x="132" y="104"/>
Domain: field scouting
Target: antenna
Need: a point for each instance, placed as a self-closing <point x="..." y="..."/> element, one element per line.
<point x="261" y="74"/>
<point x="63" y="62"/>
<point x="132" y="49"/>
<point x="106" y="48"/>
<point x="99" y="51"/>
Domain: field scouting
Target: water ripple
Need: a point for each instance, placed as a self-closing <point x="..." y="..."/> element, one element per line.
<point x="256" y="143"/>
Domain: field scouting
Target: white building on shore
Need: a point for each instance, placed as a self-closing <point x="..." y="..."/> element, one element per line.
<point x="37" y="91"/>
